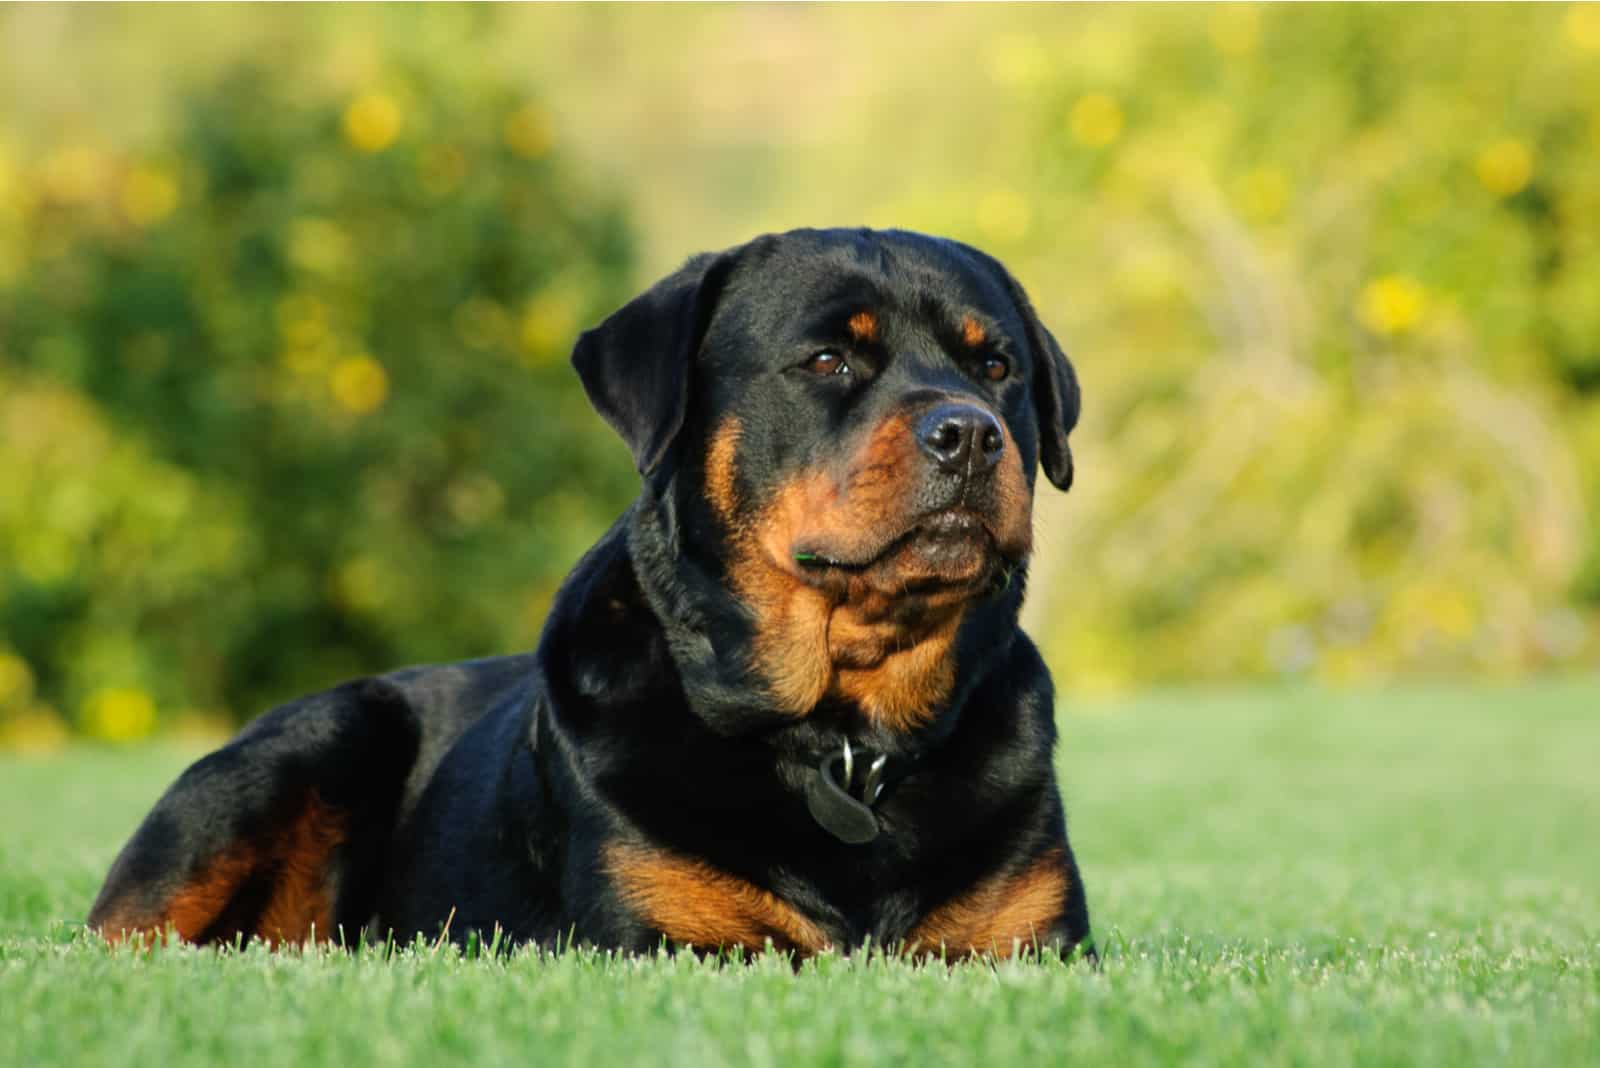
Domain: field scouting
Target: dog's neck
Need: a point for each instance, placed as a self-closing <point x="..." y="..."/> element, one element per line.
<point x="700" y="621"/>
<point x="748" y="667"/>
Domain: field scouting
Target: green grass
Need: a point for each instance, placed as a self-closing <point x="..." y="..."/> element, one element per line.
<point x="1285" y="878"/>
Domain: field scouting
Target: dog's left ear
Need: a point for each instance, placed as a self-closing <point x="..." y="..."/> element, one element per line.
<point x="636" y="365"/>
<point x="1056" y="397"/>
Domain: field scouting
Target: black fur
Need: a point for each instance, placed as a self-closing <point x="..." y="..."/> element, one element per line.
<point x="484" y="794"/>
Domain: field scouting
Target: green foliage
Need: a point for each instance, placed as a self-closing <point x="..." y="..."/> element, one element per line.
<point x="1332" y="278"/>
<point x="286" y="395"/>
<point x="1277" y="878"/>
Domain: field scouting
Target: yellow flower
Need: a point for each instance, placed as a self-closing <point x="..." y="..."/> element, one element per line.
<point x="16" y="680"/>
<point x="1583" y="26"/>
<point x="1346" y="666"/>
<point x="202" y="727"/>
<point x="1096" y="120"/>
<point x="372" y="122"/>
<point x="359" y="384"/>
<point x="1015" y="59"/>
<point x="1392" y="304"/>
<point x="1004" y="215"/>
<point x="1505" y="167"/>
<point x="1263" y="193"/>
<point x="120" y="714"/>
<point x="547" y="325"/>
<point x="1424" y="609"/>
<point x="1099" y="664"/>
<point x="73" y="175"/>
<point x="527" y="132"/>
<point x="302" y="320"/>
<point x="307" y="361"/>
<point x="1452" y="611"/>
<point x="38" y="730"/>
<point x="149" y="194"/>
<point x="360" y="584"/>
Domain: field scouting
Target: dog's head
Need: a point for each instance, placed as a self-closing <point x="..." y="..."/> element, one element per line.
<point x="849" y="423"/>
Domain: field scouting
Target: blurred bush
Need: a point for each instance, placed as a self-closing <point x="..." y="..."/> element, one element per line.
<point x="1333" y="274"/>
<point x="284" y="395"/>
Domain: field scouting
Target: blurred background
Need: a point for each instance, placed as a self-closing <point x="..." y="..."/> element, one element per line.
<point x="286" y="297"/>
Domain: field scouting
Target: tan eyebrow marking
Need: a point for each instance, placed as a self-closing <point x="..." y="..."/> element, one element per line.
<point x="864" y="326"/>
<point x="972" y="332"/>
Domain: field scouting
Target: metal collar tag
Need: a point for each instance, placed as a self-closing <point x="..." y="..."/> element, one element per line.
<point x="831" y="803"/>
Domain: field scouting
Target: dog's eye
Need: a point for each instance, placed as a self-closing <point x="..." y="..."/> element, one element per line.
<point x="995" y="368"/>
<point x="827" y="362"/>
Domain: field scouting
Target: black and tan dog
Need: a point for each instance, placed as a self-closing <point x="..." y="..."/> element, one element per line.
<point x="784" y="699"/>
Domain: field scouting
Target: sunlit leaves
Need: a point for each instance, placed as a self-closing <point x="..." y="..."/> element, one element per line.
<point x="284" y="391"/>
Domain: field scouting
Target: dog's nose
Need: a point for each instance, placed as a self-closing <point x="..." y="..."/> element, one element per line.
<point x="961" y="438"/>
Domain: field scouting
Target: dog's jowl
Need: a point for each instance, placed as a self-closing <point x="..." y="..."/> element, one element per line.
<point x="784" y="700"/>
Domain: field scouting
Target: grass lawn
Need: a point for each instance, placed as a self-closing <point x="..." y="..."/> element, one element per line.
<point x="1274" y="877"/>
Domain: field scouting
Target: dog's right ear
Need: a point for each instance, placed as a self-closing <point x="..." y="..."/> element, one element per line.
<point x="636" y="365"/>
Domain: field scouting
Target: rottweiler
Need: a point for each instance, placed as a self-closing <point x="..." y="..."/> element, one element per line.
<point x="784" y="701"/>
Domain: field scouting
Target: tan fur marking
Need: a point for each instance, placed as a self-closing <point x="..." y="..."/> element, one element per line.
<point x="998" y="915"/>
<point x="300" y="904"/>
<point x="192" y="909"/>
<point x="972" y="332"/>
<point x="791" y="641"/>
<point x="720" y="488"/>
<point x="863" y="326"/>
<point x="693" y="903"/>
<point x="1015" y="499"/>
<point x="904" y="688"/>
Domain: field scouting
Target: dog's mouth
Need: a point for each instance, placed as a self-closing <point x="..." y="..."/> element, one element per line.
<point x="939" y="533"/>
<point x="947" y="548"/>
